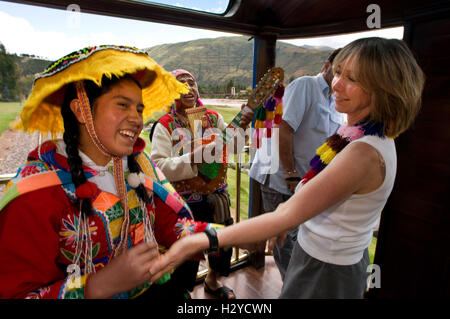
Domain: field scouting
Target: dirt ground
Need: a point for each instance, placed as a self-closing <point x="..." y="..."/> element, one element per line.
<point x="14" y="149"/>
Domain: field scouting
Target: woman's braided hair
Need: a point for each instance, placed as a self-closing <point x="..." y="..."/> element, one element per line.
<point x="72" y="133"/>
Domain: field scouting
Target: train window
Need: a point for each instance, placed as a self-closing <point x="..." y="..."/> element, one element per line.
<point x="210" y="6"/>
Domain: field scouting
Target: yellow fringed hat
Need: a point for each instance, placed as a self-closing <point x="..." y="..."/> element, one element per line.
<point x="42" y="110"/>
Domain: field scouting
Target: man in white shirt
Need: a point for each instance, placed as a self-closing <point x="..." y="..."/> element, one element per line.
<point x="309" y="118"/>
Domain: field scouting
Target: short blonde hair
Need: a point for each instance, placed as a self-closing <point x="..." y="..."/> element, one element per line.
<point x="388" y="71"/>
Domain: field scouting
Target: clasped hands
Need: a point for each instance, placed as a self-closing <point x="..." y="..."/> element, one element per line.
<point x="124" y="272"/>
<point x="186" y="248"/>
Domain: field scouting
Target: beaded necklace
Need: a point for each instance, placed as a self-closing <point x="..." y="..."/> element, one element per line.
<point x="180" y="121"/>
<point x="336" y="143"/>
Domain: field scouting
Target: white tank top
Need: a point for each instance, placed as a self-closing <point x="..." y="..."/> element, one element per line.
<point x="340" y="234"/>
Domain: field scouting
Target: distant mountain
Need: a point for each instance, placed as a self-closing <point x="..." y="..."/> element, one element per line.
<point x="217" y="61"/>
<point x="28" y="66"/>
<point x="317" y="47"/>
<point x="213" y="61"/>
<point x="31" y="65"/>
<point x="298" y="61"/>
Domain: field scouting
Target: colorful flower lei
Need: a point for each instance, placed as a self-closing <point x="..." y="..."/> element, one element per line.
<point x="336" y="143"/>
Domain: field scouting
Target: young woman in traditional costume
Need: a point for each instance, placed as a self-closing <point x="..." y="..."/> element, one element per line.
<point x="211" y="207"/>
<point x="88" y="214"/>
<point x="378" y="84"/>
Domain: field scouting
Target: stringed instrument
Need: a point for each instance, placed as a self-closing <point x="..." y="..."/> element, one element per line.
<point x="211" y="175"/>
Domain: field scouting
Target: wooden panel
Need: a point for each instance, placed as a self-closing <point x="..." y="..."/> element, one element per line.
<point x="414" y="238"/>
<point x="415" y="263"/>
<point x="265" y="59"/>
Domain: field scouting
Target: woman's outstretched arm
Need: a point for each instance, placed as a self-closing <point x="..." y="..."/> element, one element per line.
<point x="354" y="170"/>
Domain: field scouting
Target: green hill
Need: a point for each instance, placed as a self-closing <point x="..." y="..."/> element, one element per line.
<point x="214" y="62"/>
<point x="217" y="61"/>
<point x="17" y="74"/>
<point x="31" y="65"/>
<point x="28" y="66"/>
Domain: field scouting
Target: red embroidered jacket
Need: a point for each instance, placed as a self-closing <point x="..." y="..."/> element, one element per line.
<point x="39" y="224"/>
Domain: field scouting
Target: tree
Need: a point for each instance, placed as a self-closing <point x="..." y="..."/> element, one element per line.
<point x="8" y="76"/>
<point x="228" y="86"/>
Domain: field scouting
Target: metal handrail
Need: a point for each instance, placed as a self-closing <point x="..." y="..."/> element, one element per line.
<point x="5" y="178"/>
<point x="238" y="259"/>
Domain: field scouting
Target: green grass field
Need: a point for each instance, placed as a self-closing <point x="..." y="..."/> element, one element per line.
<point x="372" y="247"/>
<point x="9" y="112"/>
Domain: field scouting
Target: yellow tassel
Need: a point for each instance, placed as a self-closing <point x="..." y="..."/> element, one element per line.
<point x="322" y="149"/>
<point x="259" y="124"/>
<point x="279" y="109"/>
<point x="327" y="156"/>
<point x="270" y="115"/>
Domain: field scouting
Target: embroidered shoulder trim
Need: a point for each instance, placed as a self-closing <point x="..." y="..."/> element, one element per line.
<point x="29" y="178"/>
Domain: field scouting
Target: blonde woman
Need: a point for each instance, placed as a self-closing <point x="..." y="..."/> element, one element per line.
<point x="378" y="84"/>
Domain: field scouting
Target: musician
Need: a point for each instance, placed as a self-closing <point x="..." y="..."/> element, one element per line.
<point x="214" y="207"/>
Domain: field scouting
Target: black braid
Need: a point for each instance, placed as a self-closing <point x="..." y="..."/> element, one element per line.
<point x="71" y="138"/>
<point x="133" y="166"/>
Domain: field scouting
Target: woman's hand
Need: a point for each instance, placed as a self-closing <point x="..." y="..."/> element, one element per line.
<point x="124" y="272"/>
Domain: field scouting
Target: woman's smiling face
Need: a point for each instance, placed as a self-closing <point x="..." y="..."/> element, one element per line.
<point x="117" y="117"/>
<point x="349" y="96"/>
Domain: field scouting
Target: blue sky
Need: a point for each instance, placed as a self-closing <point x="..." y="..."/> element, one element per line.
<point x="214" y="6"/>
<point x="52" y="33"/>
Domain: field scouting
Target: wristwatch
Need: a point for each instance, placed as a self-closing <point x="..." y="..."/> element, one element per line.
<point x="213" y="241"/>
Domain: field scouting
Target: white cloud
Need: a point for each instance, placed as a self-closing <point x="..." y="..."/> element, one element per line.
<point x="52" y="45"/>
<point x="26" y="39"/>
